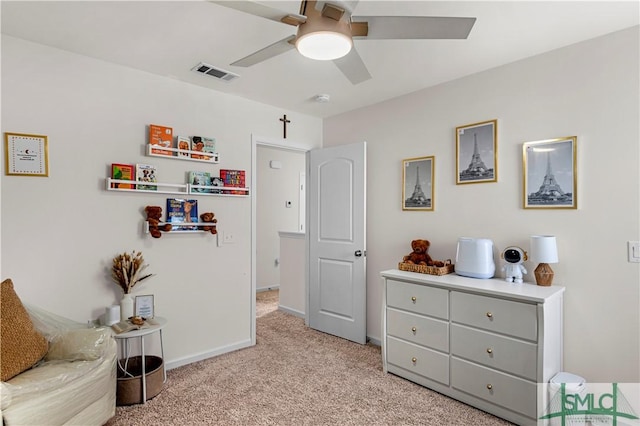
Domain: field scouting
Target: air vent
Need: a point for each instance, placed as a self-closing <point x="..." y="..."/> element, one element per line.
<point x="212" y="71"/>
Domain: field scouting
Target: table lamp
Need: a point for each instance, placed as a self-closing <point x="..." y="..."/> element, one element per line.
<point x="544" y="251"/>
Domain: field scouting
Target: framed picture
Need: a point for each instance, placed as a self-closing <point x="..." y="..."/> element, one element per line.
<point x="477" y="153"/>
<point x="144" y="306"/>
<point x="549" y="169"/>
<point x="26" y="155"/>
<point x="417" y="183"/>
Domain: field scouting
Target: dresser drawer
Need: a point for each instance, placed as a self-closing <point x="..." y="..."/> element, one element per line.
<point x="418" y="329"/>
<point x="501" y="316"/>
<point x="503" y="353"/>
<point x="418" y="298"/>
<point x="498" y="388"/>
<point x="416" y="359"/>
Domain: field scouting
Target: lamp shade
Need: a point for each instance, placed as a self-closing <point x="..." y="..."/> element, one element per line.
<point x="543" y="249"/>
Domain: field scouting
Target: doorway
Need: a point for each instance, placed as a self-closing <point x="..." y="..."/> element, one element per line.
<point x="277" y="166"/>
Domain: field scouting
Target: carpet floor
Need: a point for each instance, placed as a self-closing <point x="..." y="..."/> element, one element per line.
<point x="296" y="376"/>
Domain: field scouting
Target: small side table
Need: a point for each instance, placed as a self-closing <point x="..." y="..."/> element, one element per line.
<point x="125" y="337"/>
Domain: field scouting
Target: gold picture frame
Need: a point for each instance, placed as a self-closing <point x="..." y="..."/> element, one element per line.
<point x="26" y="155"/>
<point x="418" y="183"/>
<point x="477" y="152"/>
<point x="549" y="169"/>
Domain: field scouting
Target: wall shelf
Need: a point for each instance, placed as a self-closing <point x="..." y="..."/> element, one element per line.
<point x="214" y="156"/>
<point x="145" y="227"/>
<point x="174" y="189"/>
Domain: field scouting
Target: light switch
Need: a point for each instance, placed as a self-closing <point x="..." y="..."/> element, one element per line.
<point x="633" y="248"/>
<point x="287" y="204"/>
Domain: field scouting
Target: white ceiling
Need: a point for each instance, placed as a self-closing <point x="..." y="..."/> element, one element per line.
<point x="169" y="38"/>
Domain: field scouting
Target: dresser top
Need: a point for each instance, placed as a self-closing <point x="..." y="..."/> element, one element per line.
<point x="494" y="286"/>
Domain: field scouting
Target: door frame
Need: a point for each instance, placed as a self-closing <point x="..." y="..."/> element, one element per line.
<point x="278" y="143"/>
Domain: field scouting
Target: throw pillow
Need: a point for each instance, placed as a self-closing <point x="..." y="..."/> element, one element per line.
<point x="83" y="344"/>
<point x="21" y="344"/>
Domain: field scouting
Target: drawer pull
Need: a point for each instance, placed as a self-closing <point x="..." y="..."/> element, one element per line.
<point x="489" y="386"/>
<point x="413" y="299"/>
<point x="414" y="360"/>
<point x="489" y="315"/>
<point x="413" y="329"/>
<point x="489" y="350"/>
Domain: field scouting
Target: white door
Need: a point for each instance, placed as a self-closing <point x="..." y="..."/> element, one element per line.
<point x="336" y="184"/>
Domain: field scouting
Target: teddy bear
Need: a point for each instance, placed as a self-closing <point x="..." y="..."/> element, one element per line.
<point x="208" y="217"/>
<point x="419" y="256"/>
<point x="154" y="214"/>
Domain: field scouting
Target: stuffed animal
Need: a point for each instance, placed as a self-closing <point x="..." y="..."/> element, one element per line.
<point x="513" y="269"/>
<point x="419" y="256"/>
<point x="154" y="214"/>
<point x="208" y="217"/>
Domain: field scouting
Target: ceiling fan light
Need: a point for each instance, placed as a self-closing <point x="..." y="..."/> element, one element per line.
<point x="324" y="45"/>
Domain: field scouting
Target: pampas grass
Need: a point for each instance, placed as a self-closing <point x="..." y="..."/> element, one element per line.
<point x="126" y="270"/>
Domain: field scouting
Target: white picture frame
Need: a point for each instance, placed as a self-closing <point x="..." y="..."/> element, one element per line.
<point x="144" y="306"/>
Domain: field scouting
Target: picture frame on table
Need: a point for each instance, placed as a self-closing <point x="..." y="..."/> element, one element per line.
<point x="26" y="154"/>
<point x="144" y="306"/>
<point x="549" y="169"/>
<point x="477" y="152"/>
<point x="418" y="183"/>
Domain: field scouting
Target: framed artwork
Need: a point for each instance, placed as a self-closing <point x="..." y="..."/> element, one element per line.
<point x="477" y="153"/>
<point x="417" y="183"/>
<point x="144" y="306"/>
<point x="26" y="155"/>
<point x="549" y="174"/>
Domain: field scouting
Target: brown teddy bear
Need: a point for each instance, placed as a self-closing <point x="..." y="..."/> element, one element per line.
<point x="208" y="217"/>
<point x="419" y="256"/>
<point x="154" y="214"/>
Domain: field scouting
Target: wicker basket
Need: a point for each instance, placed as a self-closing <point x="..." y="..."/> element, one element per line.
<point x="424" y="269"/>
<point x="129" y="389"/>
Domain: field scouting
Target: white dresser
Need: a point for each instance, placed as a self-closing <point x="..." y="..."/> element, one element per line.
<point x="487" y="343"/>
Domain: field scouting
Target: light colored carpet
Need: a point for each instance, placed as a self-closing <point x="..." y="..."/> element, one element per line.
<point x="296" y="376"/>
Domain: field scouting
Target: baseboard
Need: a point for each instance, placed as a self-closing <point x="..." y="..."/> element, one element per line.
<point x="374" y="341"/>
<point x="208" y="354"/>
<point x="291" y="311"/>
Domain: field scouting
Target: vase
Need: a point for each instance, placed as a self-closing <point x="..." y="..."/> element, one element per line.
<point x="126" y="307"/>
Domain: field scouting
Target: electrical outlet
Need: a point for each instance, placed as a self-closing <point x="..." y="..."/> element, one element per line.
<point x="228" y="238"/>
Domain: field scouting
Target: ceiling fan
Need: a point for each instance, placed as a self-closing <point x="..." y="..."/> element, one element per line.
<point x="326" y="31"/>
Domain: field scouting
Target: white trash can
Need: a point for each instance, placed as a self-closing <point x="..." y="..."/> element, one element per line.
<point x="574" y="384"/>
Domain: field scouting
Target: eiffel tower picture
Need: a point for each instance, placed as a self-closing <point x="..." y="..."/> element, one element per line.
<point x="418" y="200"/>
<point x="470" y="142"/>
<point x="550" y="191"/>
<point x="476" y="169"/>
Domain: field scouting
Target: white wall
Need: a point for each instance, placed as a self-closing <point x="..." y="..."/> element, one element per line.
<point x="61" y="232"/>
<point x="275" y="187"/>
<point x="589" y="90"/>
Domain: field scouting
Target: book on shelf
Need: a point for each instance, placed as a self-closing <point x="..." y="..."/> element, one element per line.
<point x="146" y="173"/>
<point x="181" y="212"/>
<point x="197" y="145"/>
<point x="123" y="172"/>
<point x="200" y="178"/>
<point x="161" y="136"/>
<point x="184" y="142"/>
<point x="208" y="145"/>
<point x="233" y="178"/>
<point x="216" y="181"/>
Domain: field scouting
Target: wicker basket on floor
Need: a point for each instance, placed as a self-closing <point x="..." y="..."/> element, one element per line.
<point x="424" y="269"/>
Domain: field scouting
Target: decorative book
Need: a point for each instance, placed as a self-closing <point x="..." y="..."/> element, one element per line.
<point x="123" y="172"/>
<point x="146" y="173"/>
<point x="208" y="145"/>
<point x="181" y="212"/>
<point x="200" y="178"/>
<point x="197" y="145"/>
<point x="161" y="136"/>
<point x="233" y="178"/>
<point x="184" y="142"/>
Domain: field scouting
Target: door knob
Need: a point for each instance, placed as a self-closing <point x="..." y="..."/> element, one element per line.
<point x="358" y="253"/>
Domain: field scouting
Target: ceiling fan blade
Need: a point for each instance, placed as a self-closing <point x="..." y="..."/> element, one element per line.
<point x="417" y="27"/>
<point x="352" y="67"/>
<point x="270" y="51"/>
<point x="263" y="11"/>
